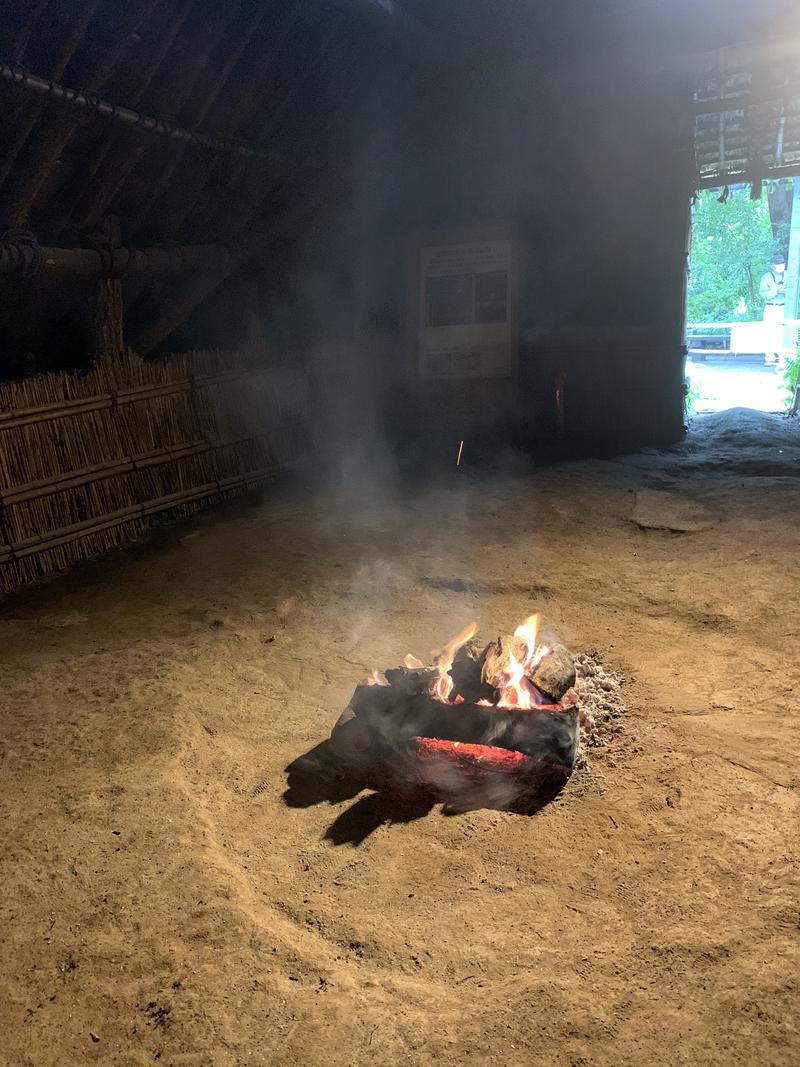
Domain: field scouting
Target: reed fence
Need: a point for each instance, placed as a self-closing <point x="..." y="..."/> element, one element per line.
<point x="87" y="461"/>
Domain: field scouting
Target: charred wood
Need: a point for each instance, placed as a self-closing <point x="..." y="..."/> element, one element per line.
<point x="465" y="755"/>
<point x="411" y="681"/>
<point x="468" y="776"/>
<point x="467" y="674"/>
<point x="395" y="719"/>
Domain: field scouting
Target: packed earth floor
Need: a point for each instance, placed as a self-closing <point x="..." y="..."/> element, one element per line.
<point x="164" y="902"/>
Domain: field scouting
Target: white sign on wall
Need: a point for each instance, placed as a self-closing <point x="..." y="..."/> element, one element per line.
<point x="466" y="310"/>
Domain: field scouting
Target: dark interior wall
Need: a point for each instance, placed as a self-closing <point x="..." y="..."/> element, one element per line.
<point x="602" y="303"/>
<point x="587" y="159"/>
<point x="572" y="125"/>
<point x="45" y="325"/>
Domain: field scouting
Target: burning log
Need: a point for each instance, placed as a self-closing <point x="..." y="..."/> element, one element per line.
<point x="475" y="727"/>
<point x="383" y="729"/>
<point x="555" y="673"/>
<point x="471" y="758"/>
<point x="411" y="681"/>
<point x="499" y="659"/>
<point x="467" y="674"/>
<point x="486" y="776"/>
<point x="398" y="719"/>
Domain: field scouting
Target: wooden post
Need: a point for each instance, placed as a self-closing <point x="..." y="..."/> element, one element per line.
<point x="109" y="342"/>
<point x="559" y="403"/>
<point x="792" y="274"/>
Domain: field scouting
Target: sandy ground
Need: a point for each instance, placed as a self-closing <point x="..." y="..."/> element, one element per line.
<point x="162" y="902"/>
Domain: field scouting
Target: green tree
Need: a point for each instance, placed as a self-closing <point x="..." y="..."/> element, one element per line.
<point x="731" y="246"/>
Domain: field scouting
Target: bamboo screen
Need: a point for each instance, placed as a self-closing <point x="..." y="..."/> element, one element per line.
<point x="87" y="461"/>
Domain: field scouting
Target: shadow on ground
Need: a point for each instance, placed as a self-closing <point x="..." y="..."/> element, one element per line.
<point x="317" y="777"/>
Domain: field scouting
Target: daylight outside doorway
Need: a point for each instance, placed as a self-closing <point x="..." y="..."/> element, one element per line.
<point x="742" y="331"/>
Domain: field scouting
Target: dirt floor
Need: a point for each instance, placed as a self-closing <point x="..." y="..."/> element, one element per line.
<point x="163" y="903"/>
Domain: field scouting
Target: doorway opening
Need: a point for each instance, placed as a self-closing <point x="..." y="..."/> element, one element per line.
<point x="741" y="306"/>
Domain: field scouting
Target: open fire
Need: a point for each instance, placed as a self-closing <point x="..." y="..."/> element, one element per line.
<point x="490" y="724"/>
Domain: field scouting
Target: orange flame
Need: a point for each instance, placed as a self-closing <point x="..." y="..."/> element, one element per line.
<point x="517" y="691"/>
<point x="527" y="633"/>
<point x="413" y="663"/>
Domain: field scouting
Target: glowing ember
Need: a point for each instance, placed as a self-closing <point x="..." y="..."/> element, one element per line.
<point x="470" y="757"/>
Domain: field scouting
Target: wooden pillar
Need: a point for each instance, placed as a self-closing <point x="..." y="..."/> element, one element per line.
<point x="792" y="273"/>
<point x="109" y="341"/>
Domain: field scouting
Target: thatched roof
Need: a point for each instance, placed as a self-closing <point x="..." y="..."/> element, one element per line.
<point x="747" y="103"/>
<point x="274" y="85"/>
<point x="252" y="114"/>
<point x="249" y="113"/>
<point x="276" y="75"/>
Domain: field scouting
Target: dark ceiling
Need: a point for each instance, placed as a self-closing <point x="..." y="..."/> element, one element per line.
<point x="294" y="84"/>
<point x="284" y="76"/>
<point x="292" y="78"/>
<point x="305" y="93"/>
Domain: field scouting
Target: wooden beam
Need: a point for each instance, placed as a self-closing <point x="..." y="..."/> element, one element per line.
<point x="188" y="296"/>
<point x="181" y="200"/>
<point x="26" y="30"/>
<point x="25" y="259"/>
<point x="717" y="181"/>
<point x="178" y="91"/>
<point x="254" y="239"/>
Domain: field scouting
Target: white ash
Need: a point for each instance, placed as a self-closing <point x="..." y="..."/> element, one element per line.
<point x="597" y="694"/>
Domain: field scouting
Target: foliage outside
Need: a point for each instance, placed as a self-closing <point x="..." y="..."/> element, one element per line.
<point x="691" y="397"/>
<point x="791" y="372"/>
<point x="731" y="246"/>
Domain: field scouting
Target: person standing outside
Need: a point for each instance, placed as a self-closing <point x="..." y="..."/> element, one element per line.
<point x="773" y="293"/>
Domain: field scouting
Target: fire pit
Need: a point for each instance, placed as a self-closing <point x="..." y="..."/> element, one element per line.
<point x="493" y="724"/>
